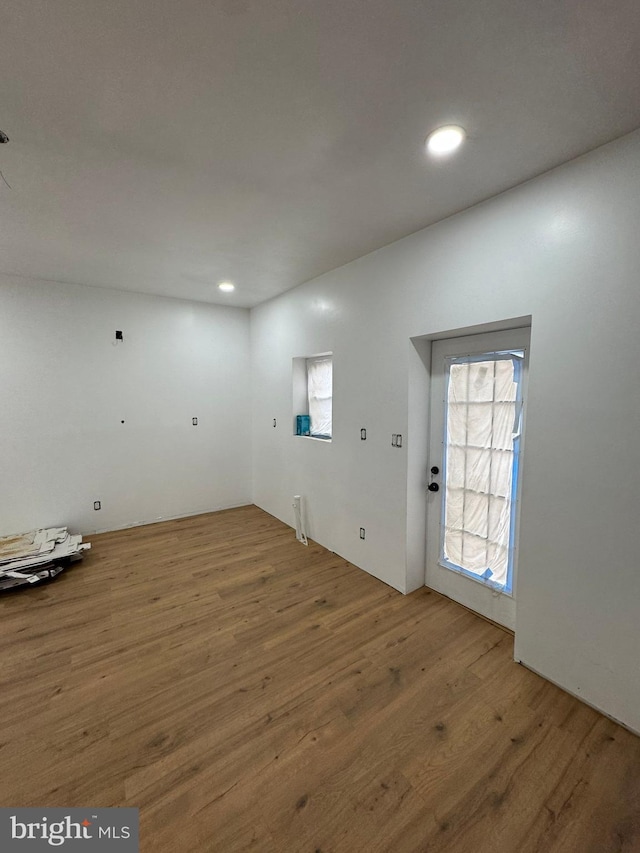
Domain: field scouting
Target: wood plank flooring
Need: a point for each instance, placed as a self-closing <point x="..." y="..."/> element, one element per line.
<point x="248" y="693"/>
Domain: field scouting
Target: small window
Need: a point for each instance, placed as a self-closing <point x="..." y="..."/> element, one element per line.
<point x="320" y="395"/>
<point x="312" y="396"/>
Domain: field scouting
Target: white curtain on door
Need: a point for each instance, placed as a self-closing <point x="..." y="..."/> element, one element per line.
<point x="482" y="423"/>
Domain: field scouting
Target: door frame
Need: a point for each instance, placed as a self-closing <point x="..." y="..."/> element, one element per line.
<point x="417" y="446"/>
<point x="494" y="604"/>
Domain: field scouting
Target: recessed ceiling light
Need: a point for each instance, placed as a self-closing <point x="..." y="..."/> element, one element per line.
<point x="226" y="286"/>
<point x="445" y="140"/>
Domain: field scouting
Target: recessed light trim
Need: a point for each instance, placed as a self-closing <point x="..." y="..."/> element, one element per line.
<point x="445" y="140"/>
<point x="226" y="286"/>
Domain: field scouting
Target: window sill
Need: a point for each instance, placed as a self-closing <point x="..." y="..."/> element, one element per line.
<point x="314" y="438"/>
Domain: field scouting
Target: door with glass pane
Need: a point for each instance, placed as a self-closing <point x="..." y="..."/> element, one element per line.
<point x="478" y="388"/>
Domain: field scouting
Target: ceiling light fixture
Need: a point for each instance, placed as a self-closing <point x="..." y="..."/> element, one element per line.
<point x="445" y="140"/>
<point x="226" y="286"/>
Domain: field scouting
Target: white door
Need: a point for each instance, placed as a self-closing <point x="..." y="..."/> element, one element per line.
<point x="478" y="386"/>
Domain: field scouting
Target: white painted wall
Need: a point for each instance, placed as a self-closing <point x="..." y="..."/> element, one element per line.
<point x="65" y="389"/>
<point x="564" y="249"/>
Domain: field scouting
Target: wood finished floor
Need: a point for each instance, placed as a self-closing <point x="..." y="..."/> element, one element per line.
<point x="247" y="693"/>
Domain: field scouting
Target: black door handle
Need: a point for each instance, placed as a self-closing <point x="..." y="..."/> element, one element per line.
<point x="433" y="487"/>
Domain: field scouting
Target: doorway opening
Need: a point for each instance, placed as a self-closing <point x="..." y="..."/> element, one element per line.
<point x="476" y="422"/>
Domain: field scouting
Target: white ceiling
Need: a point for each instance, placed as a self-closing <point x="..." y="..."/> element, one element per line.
<point x="163" y="146"/>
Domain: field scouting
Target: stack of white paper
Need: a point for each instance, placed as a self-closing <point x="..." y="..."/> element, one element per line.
<point x="38" y="554"/>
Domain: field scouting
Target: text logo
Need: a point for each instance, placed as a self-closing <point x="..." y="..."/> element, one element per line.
<point x="35" y="830"/>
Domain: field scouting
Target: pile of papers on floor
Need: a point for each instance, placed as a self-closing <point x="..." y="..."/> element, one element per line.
<point x="27" y="558"/>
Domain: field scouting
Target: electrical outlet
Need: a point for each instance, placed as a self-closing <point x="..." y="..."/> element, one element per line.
<point x="363" y="435"/>
<point x="194" y="421"/>
<point x="97" y="505"/>
<point x="119" y="336"/>
<point x="362" y="532"/>
<point x="394" y="438"/>
<point x="398" y="440"/>
<point x="274" y="422"/>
